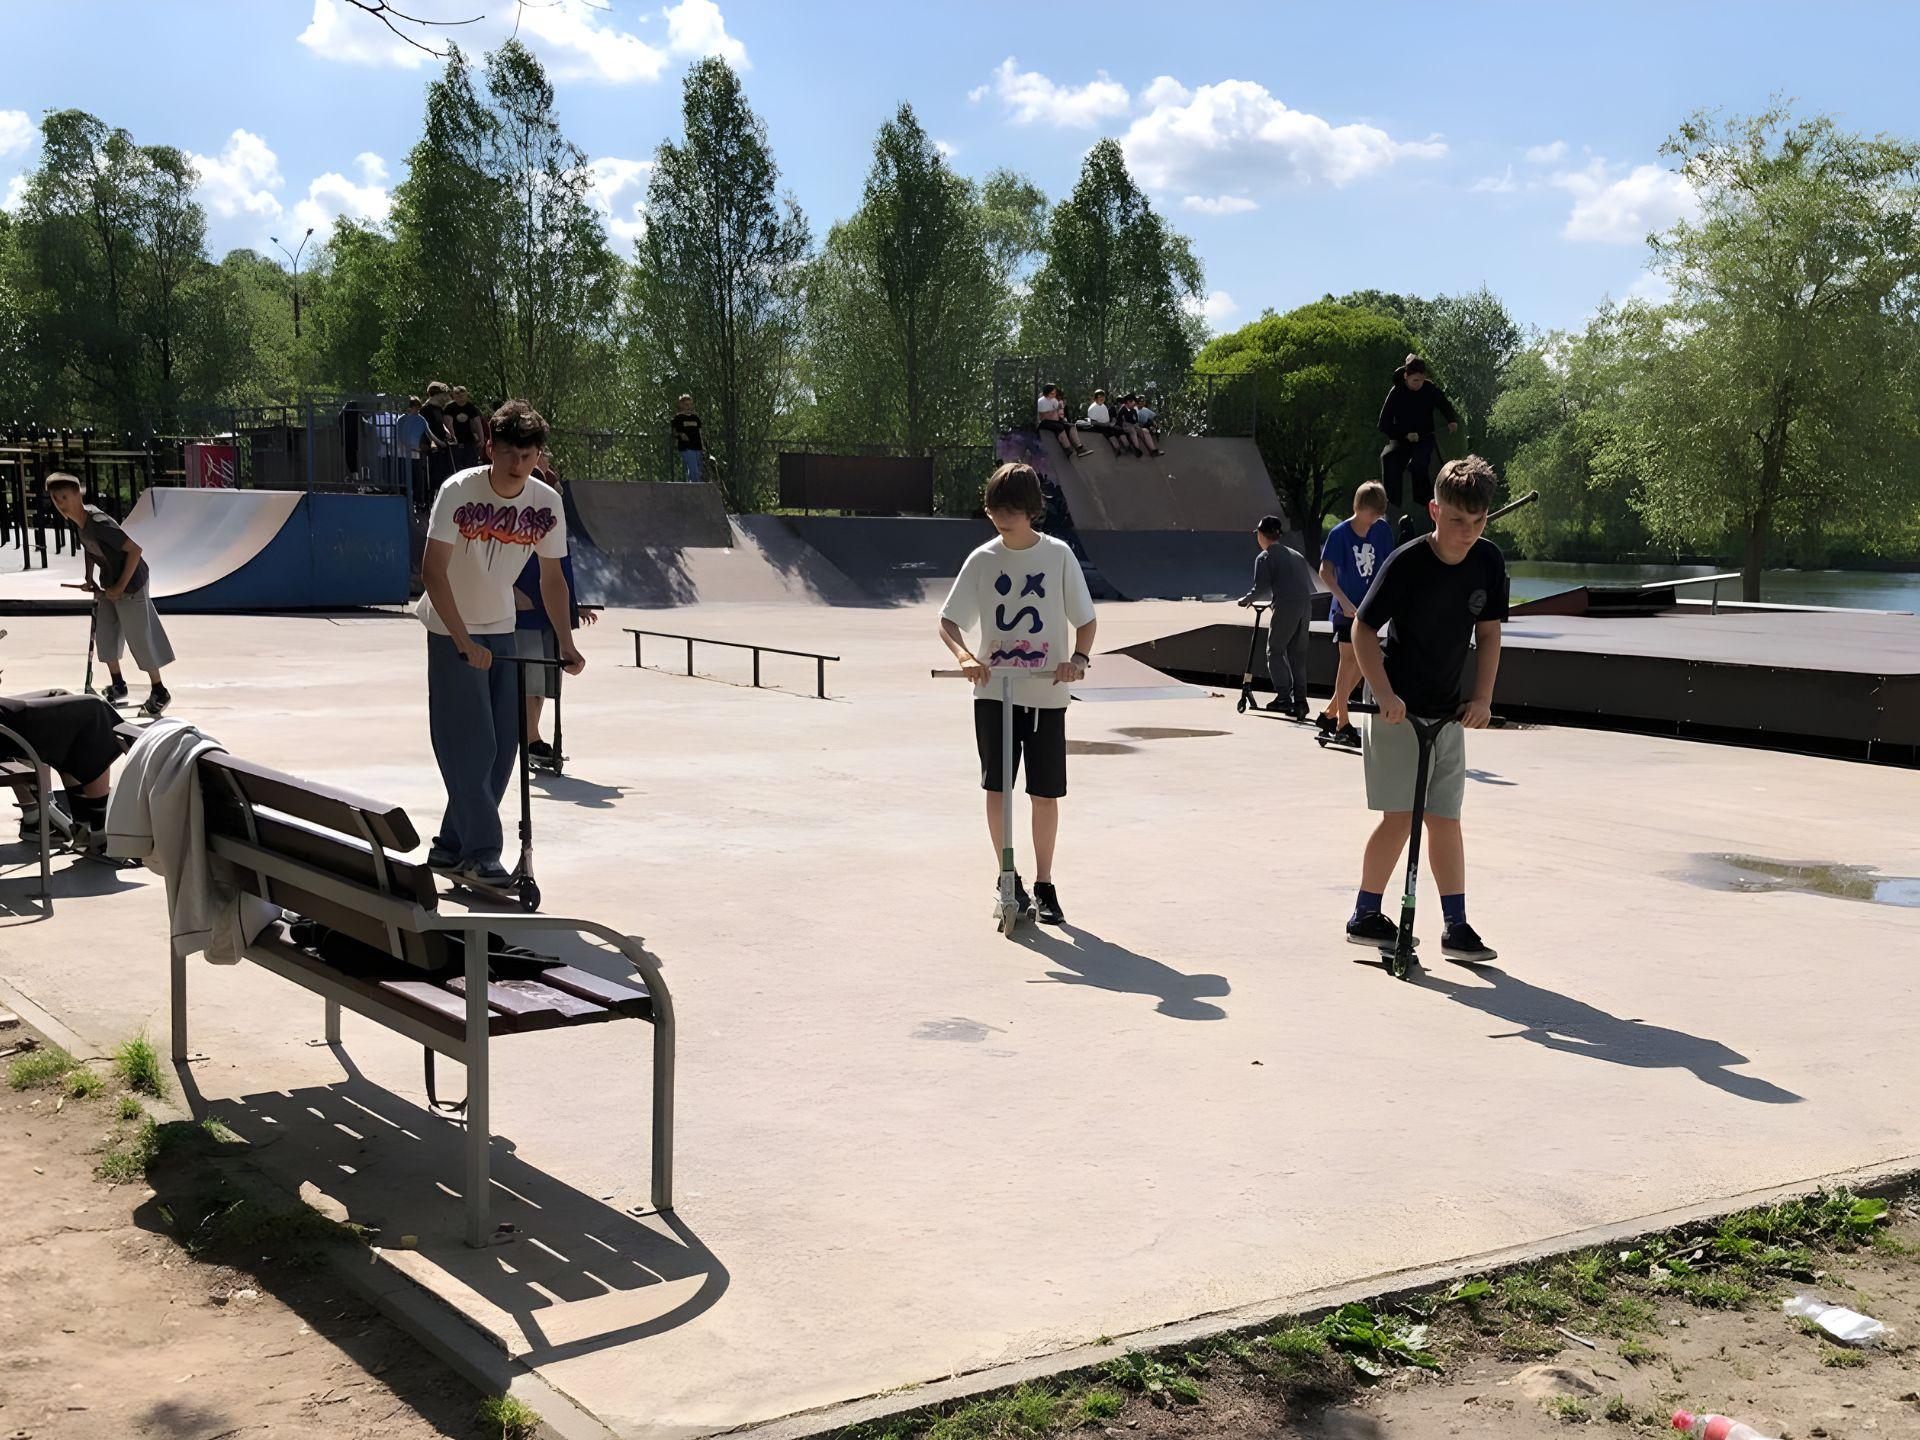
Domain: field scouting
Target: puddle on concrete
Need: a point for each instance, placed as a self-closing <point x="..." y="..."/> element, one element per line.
<point x="1100" y="747"/>
<point x="966" y="1032"/>
<point x="1164" y="732"/>
<point x="1752" y="875"/>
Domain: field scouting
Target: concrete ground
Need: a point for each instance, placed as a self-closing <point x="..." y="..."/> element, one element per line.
<point x="910" y="1147"/>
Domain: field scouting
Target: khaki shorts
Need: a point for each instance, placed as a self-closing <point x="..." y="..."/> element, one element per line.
<point x="1392" y="753"/>
<point x="131" y="623"/>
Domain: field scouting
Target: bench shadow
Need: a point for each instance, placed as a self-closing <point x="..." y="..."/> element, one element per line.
<point x="1086" y="959"/>
<point x="1573" y="1027"/>
<point x="72" y="879"/>
<point x="397" y="1167"/>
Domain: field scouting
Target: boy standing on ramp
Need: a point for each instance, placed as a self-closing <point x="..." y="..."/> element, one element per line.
<point x="1025" y="596"/>
<point x="485" y="522"/>
<point x="1439" y="592"/>
<point x="123" y="607"/>
<point x="1281" y="579"/>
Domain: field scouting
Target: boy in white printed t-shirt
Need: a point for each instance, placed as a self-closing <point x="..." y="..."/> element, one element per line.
<point x="1025" y="596"/>
<point x="484" y="522"/>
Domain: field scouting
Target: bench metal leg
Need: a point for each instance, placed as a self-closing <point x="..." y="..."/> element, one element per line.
<point x="479" y="1225"/>
<point x="177" y="985"/>
<point x="333" y="1022"/>
<point x="663" y="1051"/>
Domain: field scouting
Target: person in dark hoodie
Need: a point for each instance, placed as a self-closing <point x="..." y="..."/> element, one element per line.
<point x="1283" y="579"/>
<point x="1407" y="420"/>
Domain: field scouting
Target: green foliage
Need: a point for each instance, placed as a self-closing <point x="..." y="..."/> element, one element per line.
<point x="1322" y="370"/>
<point x="128" y="1154"/>
<point x="504" y="1418"/>
<point x="1154" y="1378"/>
<point x="39" y="1069"/>
<point x="1375" y="1343"/>
<point x="127" y="1108"/>
<point x="1099" y="1404"/>
<point x="719" y="300"/>
<point x="138" y="1065"/>
<point x="83" y="1083"/>
<point x="1112" y="293"/>
<point x="908" y="304"/>
<point x="1569" y="1410"/>
<point x="1780" y="384"/>
<point x="1617" y="1410"/>
<point x="1834" y="1358"/>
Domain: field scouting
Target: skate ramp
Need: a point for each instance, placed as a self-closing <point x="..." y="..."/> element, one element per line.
<point x="763" y="561"/>
<point x="1173" y="564"/>
<point x="624" y="515"/>
<point x="1199" y="483"/>
<point x="248" y="550"/>
<point x="895" y="560"/>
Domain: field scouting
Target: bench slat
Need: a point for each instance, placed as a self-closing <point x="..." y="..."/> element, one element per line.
<point x="615" y="995"/>
<point x="530" y="1000"/>
<point x="320" y="804"/>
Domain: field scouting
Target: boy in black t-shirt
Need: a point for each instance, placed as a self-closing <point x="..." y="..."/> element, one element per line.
<point x="686" y="437"/>
<point x="1439" y="591"/>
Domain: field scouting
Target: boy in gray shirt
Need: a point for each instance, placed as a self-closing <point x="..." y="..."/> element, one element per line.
<point x="124" y="609"/>
<point x="1283" y="579"/>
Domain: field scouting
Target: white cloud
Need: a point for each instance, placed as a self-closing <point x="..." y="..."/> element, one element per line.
<point x="1209" y="140"/>
<point x="578" y="46"/>
<point x="619" y="193"/>
<point x="16" y="195"/>
<point x="1610" y="208"/>
<point x="17" y="131"/>
<point x="1031" y="97"/>
<point x="1502" y="184"/>
<point x="696" y="27"/>
<point x="1546" y="154"/>
<point x="1217" y="309"/>
<point x="1218" y="204"/>
<point x="332" y="196"/>
<point x="241" y="179"/>
<point x="340" y="32"/>
<point x="946" y="148"/>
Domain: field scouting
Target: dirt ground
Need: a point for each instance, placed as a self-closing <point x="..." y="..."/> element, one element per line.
<point x="111" y="1329"/>
<point x="1754" y="1363"/>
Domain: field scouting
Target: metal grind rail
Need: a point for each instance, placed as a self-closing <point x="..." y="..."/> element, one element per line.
<point x="819" y="660"/>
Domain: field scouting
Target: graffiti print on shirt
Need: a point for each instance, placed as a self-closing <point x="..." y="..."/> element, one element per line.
<point x="1022" y="653"/>
<point x="483" y="523"/>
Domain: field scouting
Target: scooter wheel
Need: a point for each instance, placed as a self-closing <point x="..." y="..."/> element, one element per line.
<point x="559" y="764"/>
<point x="1009" y="917"/>
<point x="528" y="889"/>
<point x="1242" y="706"/>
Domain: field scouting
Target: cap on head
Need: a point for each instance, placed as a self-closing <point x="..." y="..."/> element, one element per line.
<point x="1272" y="526"/>
<point x="60" y="480"/>
<point x="1413" y="365"/>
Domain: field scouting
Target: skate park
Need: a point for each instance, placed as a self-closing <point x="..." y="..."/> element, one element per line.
<point x="914" y="1156"/>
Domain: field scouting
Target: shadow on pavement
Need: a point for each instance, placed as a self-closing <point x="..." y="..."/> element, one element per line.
<point x="1086" y="959"/>
<point x="1574" y="1027"/>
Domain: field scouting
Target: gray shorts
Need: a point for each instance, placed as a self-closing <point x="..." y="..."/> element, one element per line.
<point x="542" y="680"/>
<point x="131" y="623"/>
<point x="1392" y="753"/>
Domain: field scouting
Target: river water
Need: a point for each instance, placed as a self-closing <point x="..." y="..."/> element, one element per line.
<point x="1863" y="589"/>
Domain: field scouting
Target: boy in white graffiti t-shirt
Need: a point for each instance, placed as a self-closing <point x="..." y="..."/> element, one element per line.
<point x="1025" y="597"/>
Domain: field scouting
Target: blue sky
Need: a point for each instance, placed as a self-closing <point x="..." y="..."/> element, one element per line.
<point x="1305" y="148"/>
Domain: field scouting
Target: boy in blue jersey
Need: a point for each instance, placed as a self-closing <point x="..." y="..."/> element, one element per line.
<point x="1355" y="549"/>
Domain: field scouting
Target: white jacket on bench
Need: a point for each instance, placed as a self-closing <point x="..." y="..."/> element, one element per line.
<point x="156" y="817"/>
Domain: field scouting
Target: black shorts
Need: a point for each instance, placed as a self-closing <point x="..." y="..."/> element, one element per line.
<point x="1039" y="735"/>
<point x="1058" y="427"/>
<point x="1342" y="627"/>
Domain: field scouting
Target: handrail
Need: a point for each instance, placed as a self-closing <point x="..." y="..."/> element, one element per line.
<point x="1691" y="580"/>
<point x="820" y="661"/>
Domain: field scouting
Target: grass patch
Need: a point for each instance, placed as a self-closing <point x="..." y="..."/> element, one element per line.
<point x="1618" y="1410"/>
<point x="1834" y="1358"/>
<point x="1156" y="1379"/>
<point x="129" y="1153"/>
<point x="1569" y="1411"/>
<point x="127" y="1108"/>
<point x="82" y="1082"/>
<point x="138" y="1065"/>
<point x="1098" y="1404"/>
<point x="39" y="1069"/>
<point x="1634" y="1353"/>
<point x="506" y="1418"/>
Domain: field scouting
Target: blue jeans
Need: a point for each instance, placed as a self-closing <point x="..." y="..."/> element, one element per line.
<point x="473" y="717"/>
<point x="691" y="459"/>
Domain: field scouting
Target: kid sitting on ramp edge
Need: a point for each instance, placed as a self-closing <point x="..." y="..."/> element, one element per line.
<point x="1024" y="594"/>
<point x="1439" y="591"/>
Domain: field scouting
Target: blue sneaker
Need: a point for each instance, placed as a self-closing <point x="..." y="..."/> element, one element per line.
<point x="442" y="860"/>
<point x="484" y="875"/>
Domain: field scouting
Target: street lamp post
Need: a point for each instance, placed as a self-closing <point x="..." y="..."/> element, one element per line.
<point x="293" y="258"/>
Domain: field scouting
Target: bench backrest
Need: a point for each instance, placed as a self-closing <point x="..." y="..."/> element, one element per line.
<point x="347" y="837"/>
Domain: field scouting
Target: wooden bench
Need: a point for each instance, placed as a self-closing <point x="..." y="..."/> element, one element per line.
<point x="335" y="858"/>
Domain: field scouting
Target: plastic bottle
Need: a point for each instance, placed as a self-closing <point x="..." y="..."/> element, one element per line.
<point x="1849" y="1327"/>
<point x="1714" y="1427"/>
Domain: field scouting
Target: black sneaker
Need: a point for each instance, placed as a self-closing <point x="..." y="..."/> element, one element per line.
<point x="1347" y="735"/>
<point x="1023" y="902"/>
<point x="1050" y="912"/>
<point x="157" y="700"/>
<point x="1462" y="942"/>
<point x="539" y="750"/>
<point x="1276" y="705"/>
<point x="1300" y="712"/>
<point x="1373" y="929"/>
<point x="1324" y="724"/>
<point x="115" y="693"/>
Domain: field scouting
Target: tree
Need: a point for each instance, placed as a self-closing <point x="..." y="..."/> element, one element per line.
<point x="347" y="299"/>
<point x="906" y="304"/>
<point x="1782" y="387"/>
<point x="1319" y="370"/>
<point x="108" y="250"/>
<point x="720" y="296"/>
<point x="1112" y="292"/>
<point x="1013" y="211"/>
<point x="1467" y="339"/>
<point x="1556" y="419"/>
